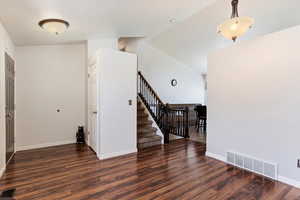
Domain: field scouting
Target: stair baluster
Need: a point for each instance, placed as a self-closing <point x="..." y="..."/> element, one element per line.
<point x="169" y="120"/>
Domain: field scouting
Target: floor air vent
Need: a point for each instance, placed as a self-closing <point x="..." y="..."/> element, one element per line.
<point x="255" y="165"/>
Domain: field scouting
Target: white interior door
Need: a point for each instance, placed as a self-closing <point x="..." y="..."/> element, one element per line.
<point x="92" y="109"/>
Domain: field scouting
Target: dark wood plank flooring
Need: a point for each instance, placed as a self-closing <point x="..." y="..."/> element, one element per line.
<point x="175" y="171"/>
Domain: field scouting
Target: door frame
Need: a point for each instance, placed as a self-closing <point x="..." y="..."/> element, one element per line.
<point x="93" y="71"/>
<point x="6" y="57"/>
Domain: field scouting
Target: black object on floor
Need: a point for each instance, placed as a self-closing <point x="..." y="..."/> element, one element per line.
<point x="7" y="195"/>
<point x="80" y="135"/>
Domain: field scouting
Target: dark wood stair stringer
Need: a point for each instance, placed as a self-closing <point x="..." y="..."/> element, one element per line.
<point x="147" y="136"/>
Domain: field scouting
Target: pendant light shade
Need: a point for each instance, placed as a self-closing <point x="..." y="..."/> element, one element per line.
<point x="236" y="26"/>
<point x="55" y="26"/>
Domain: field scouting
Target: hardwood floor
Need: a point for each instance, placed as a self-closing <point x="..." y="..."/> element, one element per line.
<point x="197" y="136"/>
<point x="175" y="171"/>
<point x="194" y="135"/>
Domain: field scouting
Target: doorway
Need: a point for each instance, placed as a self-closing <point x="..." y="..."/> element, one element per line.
<point x="9" y="106"/>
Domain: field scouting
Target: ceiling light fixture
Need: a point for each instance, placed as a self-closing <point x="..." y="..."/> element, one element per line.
<point x="55" y="26"/>
<point x="236" y="26"/>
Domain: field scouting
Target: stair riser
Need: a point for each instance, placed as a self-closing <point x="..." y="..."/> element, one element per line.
<point x="140" y="133"/>
<point x="148" y="144"/>
<point x="145" y="124"/>
<point x="148" y="129"/>
<point x="145" y="132"/>
<point x="143" y="120"/>
<point x="142" y="117"/>
<point x="150" y="135"/>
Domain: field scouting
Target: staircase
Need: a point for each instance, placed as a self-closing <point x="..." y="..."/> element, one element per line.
<point x="146" y="132"/>
<point x="169" y="120"/>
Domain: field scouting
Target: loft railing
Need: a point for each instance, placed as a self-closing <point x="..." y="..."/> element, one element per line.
<point x="170" y="120"/>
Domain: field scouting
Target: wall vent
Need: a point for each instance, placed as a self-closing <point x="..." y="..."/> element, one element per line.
<point x="230" y="157"/>
<point x="255" y="165"/>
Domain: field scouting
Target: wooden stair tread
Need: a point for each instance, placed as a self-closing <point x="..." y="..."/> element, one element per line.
<point x="142" y="114"/>
<point x="144" y="122"/>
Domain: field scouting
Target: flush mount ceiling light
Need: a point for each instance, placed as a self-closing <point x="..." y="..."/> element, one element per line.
<point x="55" y="26"/>
<point x="236" y="26"/>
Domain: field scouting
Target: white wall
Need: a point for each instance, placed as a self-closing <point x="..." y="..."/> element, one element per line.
<point x="159" y="69"/>
<point x="50" y="78"/>
<point x="6" y="45"/>
<point x="94" y="45"/>
<point x="117" y="119"/>
<point x="254" y="101"/>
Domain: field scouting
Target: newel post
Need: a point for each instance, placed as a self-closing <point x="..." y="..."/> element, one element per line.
<point x="166" y="125"/>
<point x="187" y="123"/>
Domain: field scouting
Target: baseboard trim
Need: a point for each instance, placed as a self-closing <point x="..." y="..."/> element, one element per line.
<point x="289" y="181"/>
<point x="216" y="156"/>
<point x="282" y="179"/>
<point x="116" y="154"/>
<point x="2" y="172"/>
<point x="37" y="146"/>
<point x="4" y="168"/>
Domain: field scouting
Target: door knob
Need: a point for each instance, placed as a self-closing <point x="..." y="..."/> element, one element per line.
<point x="8" y="116"/>
<point x="95" y="112"/>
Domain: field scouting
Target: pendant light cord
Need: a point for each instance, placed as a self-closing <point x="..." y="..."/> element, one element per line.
<point x="235" y="12"/>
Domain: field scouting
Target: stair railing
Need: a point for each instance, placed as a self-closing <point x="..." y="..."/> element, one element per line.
<point x="170" y="120"/>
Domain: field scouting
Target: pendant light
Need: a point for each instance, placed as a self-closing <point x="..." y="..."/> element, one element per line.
<point x="236" y="26"/>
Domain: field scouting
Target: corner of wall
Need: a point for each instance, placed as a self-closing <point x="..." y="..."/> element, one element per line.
<point x="215" y="156"/>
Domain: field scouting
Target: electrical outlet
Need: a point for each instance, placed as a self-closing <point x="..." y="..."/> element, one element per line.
<point x="298" y="163"/>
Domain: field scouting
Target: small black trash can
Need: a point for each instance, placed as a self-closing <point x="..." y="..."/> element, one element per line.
<point x="80" y="135"/>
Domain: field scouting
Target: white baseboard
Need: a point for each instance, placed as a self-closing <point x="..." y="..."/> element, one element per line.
<point x="115" y="154"/>
<point x="282" y="179"/>
<point x="36" y="146"/>
<point x="2" y="172"/>
<point x="216" y="156"/>
<point x="289" y="181"/>
<point x="4" y="168"/>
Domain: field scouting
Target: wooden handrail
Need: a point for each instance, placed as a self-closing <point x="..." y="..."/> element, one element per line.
<point x="152" y="90"/>
<point x="170" y="120"/>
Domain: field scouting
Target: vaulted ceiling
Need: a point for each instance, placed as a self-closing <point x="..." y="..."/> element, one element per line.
<point x="193" y="39"/>
<point x="92" y="18"/>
